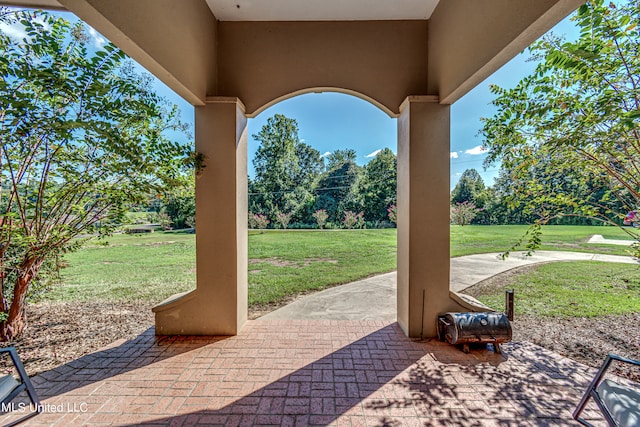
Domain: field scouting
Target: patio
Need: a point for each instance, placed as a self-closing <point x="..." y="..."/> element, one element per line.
<point x="311" y="372"/>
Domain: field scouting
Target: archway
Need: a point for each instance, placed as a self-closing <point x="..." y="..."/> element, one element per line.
<point x="353" y="144"/>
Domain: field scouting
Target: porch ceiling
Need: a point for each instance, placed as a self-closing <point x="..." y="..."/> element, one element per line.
<point x="321" y="10"/>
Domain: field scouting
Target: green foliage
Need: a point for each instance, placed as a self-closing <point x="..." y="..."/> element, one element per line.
<point x="531" y="239"/>
<point x="568" y="135"/>
<point x="379" y="185"/>
<point x="469" y="188"/>
<point x="180" y="206"/>
<point x="338" y="191"/>
<point x="339" y="157"/>
<point x="161" y="218"/>
<point x="290" y="178"/>
<point x="286" y="169"/>
<point x="82" y="139"/>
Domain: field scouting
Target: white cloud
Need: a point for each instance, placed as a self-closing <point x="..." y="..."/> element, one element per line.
<point x="14" y="31"/>
<point x="325" y="154"/>
<point x="453" y="155"/>
<point x="458" y="174"/>
<point x="98" y="40"/>
<point x="375" y="153"/>
<point x="478" y="149"/>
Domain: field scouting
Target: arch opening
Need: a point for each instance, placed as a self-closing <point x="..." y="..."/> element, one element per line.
<point x="334" y="122"/>
<point x="323" y="89"/>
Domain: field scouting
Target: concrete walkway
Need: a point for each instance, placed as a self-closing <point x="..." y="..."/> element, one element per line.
<point x="598" y="238"/>
<point x="374" y="298"/>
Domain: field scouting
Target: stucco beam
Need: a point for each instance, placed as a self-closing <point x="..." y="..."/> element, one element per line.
<point x="470" y="39"/>
<point x="35" y="4"/>
<point x="175" y="41"/>
<point x="265" y="62"/>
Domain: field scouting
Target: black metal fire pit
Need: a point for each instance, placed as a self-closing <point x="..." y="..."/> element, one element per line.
<point x="469" y="328"/>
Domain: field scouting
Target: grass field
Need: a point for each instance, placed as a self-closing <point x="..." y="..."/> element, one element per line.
<point x="565" y="289"/>
<point x="474" y="239"/>
<point x="152" y="267"/>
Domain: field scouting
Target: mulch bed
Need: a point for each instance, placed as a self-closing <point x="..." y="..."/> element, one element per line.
<point x="61" y="332"/>
<point x="585" y="340"/>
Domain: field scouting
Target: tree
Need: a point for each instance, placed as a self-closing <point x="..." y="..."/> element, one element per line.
<point x="286" y="169"/>
<point x="337" y="191"/>
<point x="380" y="185"/>
<point x="579" y="111"/>
<point x="81" y="140"/>
<point x="469" y="188"/>
<point x="180" y="206"/>
<point x="339" y="157"/>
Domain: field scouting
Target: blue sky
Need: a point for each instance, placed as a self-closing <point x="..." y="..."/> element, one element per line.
<point x="331" y="121"/>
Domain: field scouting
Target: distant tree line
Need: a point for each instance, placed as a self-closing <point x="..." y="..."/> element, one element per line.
<point x="293" y="181"/>
<point x="505" y="202"/>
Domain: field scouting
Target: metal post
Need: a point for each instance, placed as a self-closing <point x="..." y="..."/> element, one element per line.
<point x="509" y="304"/>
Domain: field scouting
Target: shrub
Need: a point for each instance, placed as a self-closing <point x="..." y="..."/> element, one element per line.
<point x="392" y="212"/>
<point x="376" y="225"/>
<point x="261" y="222"/>
<point x="463" y="213"/>
<point x="283" y="219"/>
<point x="160" y="218"/>
<point x="353" y="220"/>
<point x="320" y="216"/>
<point x="251" y="222"/>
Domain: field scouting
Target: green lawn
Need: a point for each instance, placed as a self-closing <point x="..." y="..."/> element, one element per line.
<point x="473" y="239"/>
<point x="152" y="267"/>
<point x="131" y="267"/>
<point x="318" y="259"/>
<point x="566" y="289"/>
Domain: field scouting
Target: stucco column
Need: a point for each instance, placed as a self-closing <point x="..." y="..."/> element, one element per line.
<point x="423" y="215"/>
<point x="218" y="306"/>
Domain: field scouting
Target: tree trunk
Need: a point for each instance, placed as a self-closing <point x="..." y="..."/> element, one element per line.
<point x="15" y="323"/>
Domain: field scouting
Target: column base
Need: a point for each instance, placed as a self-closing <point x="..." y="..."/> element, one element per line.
<point x="190" y="313"/>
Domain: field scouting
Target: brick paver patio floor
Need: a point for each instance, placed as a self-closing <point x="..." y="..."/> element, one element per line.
<point x="342" y="373"/>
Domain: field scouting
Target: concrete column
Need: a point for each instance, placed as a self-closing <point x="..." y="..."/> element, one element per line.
<point x="423" y="215"/>
<point x="218" y="306"/>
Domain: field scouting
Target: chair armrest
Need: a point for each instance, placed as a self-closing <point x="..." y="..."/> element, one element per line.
<point x="8" y="350"/>
<point x="624" y="359"/>
<point x="24" y="377"/>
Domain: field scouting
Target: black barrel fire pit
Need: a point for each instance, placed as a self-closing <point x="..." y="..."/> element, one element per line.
<point x="469" y="328"/>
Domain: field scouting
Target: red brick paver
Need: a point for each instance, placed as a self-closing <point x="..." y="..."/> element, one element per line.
<point x="298" y="373"/>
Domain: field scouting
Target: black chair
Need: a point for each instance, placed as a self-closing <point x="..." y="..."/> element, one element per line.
<point x="10" y="387"/>
<point x="619" y="404"/>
